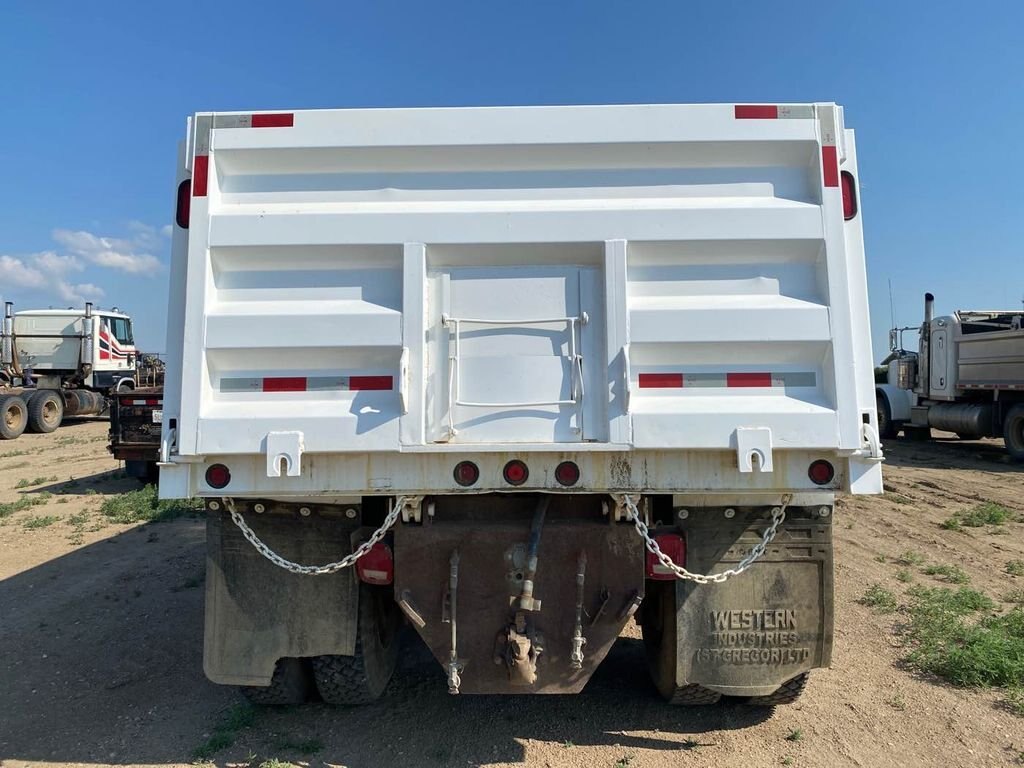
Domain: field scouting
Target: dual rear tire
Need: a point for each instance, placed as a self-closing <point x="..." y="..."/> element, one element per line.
<point x="40" y="411"/>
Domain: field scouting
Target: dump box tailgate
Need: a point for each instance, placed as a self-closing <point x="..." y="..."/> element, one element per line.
<point x="656" y="277"/>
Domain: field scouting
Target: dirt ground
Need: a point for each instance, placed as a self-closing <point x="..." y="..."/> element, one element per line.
<point x="101" y="645"/>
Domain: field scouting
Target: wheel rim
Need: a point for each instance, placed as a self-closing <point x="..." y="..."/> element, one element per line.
<point x="12" y="416"/>
<point x="50" y="412"/>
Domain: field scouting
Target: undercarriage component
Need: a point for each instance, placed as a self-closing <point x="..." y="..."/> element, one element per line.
<point x="450" y="617"/>
<point x="291" y="684"/>
<point x="501" y="646"/>
<point x="578" y="640"/>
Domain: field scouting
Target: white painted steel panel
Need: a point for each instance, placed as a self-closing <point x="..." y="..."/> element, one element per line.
<point x="689" y="246"/>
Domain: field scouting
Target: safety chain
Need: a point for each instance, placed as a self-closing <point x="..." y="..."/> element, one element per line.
<point x="314" y="570"/>
<point x="778" y="515"/>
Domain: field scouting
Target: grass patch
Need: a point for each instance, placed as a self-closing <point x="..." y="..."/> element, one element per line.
<point x="988" y="513"/>
<point x="947" y="640"/>
<point x="904" y="575"/>
<point x="303" y="746"/>
<point x="795" y="734"/>
<point x="624" y="761"/>
<point x="224" y="733"/>
<point x="952" y="574"/>
<point x="12" y="454"/>
<point x="26" y="483"/>
<point x="897" y="498"/>
<point x="910" y="557"/>
<point x="879" y="598"/>
<point x="25" y="502"/>
<point x="1015" y="567"/>
<point x="275" y="763"/>
<point x="39" y="521"/>
<point x="881" y="558"/>
<point x="144" y="506"/>
<point x="1014" y="596"/>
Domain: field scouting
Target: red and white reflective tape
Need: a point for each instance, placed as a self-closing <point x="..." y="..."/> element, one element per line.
<point x="150" y="401"/>
<point x="674" y="380"/>
<point x="206" y="123"/>
<point x="308" y="384"/>
<point x="774" y="111"/>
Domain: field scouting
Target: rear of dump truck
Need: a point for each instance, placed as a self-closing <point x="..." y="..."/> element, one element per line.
<point x="514" y="377"/>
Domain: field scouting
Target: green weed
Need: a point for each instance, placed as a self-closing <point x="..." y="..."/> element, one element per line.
<point x="879" y="598"/>
<point x="39" y="521"/>
<point x="904" y="575"/>
<point x="988" y="513"/>
<point x="1015" y="567"/>
<point x="26" y="483"/>
<point x="25" y="502"/>
<point x="795" y="734"/>
<point x="143" y="505"/>
<point x="224" y="733"/>
<point x="910" y="557"/>
<point x="953" y="574"/>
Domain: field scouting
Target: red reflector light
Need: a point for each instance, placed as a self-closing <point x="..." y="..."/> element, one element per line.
<point x="377" y="566"/>
<point x="660" y="380"/>
<point x="849" y="195"/>
<point x="284" y="384"/>
<point x="218" y="476"/>
<point x="466" y="473"/>
<point x="370" y="382"/>
<point x="748" y="379"/>
<point x="821" y="472"/>
<point x="184" y="206"/>
<point x="671" y="544"/>
<point x="567" y="473"/>
<point x="756" y="112"/>
<point x="200" y="175"/>
<point x="278" y="120"/>
<point x="830" y="166"/>
<point x="516" y="472"/>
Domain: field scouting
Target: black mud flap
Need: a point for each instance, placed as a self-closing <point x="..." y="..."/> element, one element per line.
<point x="257" y="613"/>
<point x="749" y="635"/>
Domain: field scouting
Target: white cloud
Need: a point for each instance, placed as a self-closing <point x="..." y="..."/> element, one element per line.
<point x="167" y="230"/>
<point x="47" y="271"/>
<point x="14" y="271"/>
<point x="113" y="252"/>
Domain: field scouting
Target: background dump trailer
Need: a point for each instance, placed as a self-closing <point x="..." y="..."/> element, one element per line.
<point x="519" y="366"/>
<point x="966" y="376"/>
<point x="61" y="362"/>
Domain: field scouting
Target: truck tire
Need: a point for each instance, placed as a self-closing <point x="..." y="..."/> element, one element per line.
<point x="290" y="684"/>
<point x="1013" y="433"/>
<point x="786" y="693"/>
<point x="659" y="632"/>
<point x="13" y="417"/>
<point x="359" y="679"/>
<point x="887" y="429"/>
<point x="45" y="411"/>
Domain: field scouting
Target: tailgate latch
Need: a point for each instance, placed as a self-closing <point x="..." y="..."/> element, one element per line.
<point x="284" y="448"/>
<point x="754" y="447"/>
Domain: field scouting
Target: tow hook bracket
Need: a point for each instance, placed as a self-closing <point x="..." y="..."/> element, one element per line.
<point x="517" y="647"/>
<point x="754" y="446"/>
<point x="284" y="448"/>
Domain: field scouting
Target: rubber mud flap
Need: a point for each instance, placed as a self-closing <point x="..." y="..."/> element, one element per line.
<point x="257" y="613"/>
<point x="766" y="626"/>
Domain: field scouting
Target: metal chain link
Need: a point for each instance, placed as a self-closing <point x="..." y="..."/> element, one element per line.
<point x="314" y="570"/>
<point x="778" y="515"/>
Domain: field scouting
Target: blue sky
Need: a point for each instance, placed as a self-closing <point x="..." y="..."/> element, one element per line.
<point x="94" y="98"/>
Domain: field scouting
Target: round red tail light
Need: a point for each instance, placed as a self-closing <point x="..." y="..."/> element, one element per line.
<point x="821" y="472"/>
<point x="516" y="472"/>
<point x="218" y="476"/>
<point x="466" y="473"/>
<point x="567" y="473"/>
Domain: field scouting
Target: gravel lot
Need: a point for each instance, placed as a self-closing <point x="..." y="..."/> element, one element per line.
<point x="101" y="645"/>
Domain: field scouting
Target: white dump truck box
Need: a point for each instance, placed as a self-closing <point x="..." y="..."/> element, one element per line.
<point x="361" y="295"/>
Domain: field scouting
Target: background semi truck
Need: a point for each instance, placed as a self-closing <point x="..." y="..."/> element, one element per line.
<point x="967" y="377"/>
<point x="61" y="362"/>
<point x="516" y="376"/>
